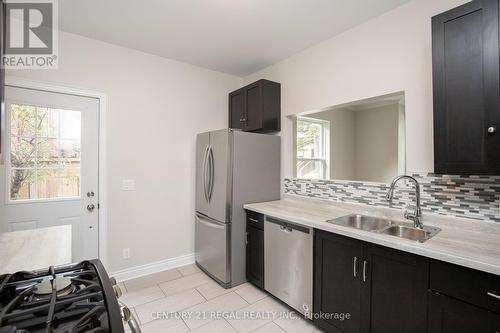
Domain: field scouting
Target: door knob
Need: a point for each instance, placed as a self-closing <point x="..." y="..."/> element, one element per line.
<point x="90" y="207"/>
<point x="492" y="129"/>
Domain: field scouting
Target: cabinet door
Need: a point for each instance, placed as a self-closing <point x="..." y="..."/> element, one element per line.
<point x="494" y="323"/>
<point x="253" y="106"/>
<point x="466" y="89"/>
<point x="337" y="279"/>
<point x="237" y="117"/>
<point x="255" y="256"/>
<point x="394" y="291"/>
<point x="448" y="315"/>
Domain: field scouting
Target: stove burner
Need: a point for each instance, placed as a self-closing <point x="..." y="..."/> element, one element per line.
<point x="74" y="298"/>
<point x="63" y="287"/>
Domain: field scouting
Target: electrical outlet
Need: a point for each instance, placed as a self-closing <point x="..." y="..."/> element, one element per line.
<point x="303" y="188"/>
<point x="126" y="253"/>
<point x="128" y="185"/>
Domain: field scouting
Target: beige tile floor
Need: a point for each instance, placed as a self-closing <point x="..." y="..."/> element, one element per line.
<point x="187" y="300"/>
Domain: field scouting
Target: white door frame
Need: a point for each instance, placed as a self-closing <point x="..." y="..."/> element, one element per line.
<point x="102" y="181"/>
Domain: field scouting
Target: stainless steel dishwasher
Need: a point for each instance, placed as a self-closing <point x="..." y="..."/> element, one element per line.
<point x="288" y="263"/>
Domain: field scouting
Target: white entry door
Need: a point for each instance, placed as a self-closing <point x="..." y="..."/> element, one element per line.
<point x="50" y="174"/>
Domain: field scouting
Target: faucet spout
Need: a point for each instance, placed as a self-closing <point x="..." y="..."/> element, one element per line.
<point x="416" y="216"/>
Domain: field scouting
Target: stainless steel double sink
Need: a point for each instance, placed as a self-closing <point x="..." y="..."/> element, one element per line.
<point x="386" y="227"/>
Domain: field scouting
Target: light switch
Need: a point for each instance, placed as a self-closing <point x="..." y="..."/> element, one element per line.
<point x="128" y="185"/>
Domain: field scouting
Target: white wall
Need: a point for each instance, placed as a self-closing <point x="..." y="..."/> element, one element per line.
<point x="156" y="107"/>
<point x="387" y="54"/>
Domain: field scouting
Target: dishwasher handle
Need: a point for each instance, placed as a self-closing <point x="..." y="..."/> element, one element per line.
<point x="287" y="226"/>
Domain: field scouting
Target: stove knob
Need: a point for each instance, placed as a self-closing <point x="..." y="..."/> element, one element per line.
<point x="118" y="291"/>
<point x="113" y="281"/>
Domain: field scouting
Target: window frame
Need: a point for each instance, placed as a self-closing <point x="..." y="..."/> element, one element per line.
<point x="325" y="146"/>
<point x="8" y="166"/>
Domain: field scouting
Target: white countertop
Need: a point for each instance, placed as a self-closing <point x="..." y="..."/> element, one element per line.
<point x="465" y="242"/>
<point x="35" y="249"/>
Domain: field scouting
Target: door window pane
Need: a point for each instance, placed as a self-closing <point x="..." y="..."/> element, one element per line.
<point x="22" y="184"/>
<point x="44" y="153"/>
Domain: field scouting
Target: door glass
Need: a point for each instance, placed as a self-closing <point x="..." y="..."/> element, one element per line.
<point x="45" y="146"/>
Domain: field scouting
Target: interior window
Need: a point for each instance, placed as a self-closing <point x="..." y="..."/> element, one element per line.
<point x="45" y="147"/>
<point x="312" y="148"/>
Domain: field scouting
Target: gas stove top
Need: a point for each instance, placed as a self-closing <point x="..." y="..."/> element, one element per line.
<point x="74" y="298"/>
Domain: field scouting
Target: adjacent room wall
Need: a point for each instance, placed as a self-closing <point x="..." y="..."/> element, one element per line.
<point x="376" y="144"/>
<point x="155" y="108"/>
<point x="387" y="54"/>
<point x="341" y="142"/>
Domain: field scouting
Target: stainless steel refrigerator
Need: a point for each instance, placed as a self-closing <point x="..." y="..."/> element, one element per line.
<point x="232" y="168"/>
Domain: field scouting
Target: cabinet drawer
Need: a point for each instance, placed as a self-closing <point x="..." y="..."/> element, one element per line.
<point x="475" y="287"/>
<point x="255" y="219"/>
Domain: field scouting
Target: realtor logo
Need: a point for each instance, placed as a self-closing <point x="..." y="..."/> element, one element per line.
<point x="31" y="34"/>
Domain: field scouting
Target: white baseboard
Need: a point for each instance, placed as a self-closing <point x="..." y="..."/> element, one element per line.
<point x="154" y="267"/>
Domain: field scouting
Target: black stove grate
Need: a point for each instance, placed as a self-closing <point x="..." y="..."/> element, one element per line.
<point x="82" y="308"/>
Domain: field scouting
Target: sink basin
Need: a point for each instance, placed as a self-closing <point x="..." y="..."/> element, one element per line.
<point x="362" y="222"/>
<point x="408" y="232"/>
<point x="386" y="227"/>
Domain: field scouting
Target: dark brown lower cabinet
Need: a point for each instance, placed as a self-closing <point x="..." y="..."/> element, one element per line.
<point x="394" y="292"/>
<point x="383" y="290"/>
<point x="337" y="281"/>
<point x="449" y="315"/>
<point x="255" y="256"/>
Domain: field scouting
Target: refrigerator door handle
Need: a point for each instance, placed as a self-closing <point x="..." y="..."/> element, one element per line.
<point x="205" y="165"/>
<point x="212" y="172"/>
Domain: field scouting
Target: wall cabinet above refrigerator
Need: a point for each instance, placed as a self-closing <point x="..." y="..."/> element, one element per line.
<point x="256" y="107"/>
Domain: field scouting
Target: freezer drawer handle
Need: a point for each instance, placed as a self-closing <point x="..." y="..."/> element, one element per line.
<point x="209" y="223"/>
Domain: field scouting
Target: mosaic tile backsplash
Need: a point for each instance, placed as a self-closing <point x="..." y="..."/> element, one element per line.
<point x="476" y="197"/>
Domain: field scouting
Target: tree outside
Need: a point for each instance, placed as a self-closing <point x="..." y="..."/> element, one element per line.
<point x="44" y="161"/>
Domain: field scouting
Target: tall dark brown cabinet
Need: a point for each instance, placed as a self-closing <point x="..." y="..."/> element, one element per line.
<point x="465" y="52"/>
<point x="256" y="107"/>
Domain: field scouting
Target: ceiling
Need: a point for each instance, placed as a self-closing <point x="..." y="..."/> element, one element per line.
<point x="237" y="37"/>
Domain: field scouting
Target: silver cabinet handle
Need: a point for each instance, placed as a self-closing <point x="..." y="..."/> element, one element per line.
<point x="492" y="129"/>
<point x="91" y="207"/>
<point x="364" y="270"/>
<point x="493" y="295"/>
<point x="355" y="267"/>
<point x="253" y="220"/>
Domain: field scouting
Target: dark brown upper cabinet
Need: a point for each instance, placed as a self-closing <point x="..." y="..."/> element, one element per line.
<point x="256" y="107"/>
<point x="465" y="54"/>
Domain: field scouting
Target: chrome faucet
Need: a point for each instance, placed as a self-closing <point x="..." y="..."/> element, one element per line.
<point x="416" y="216"/>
